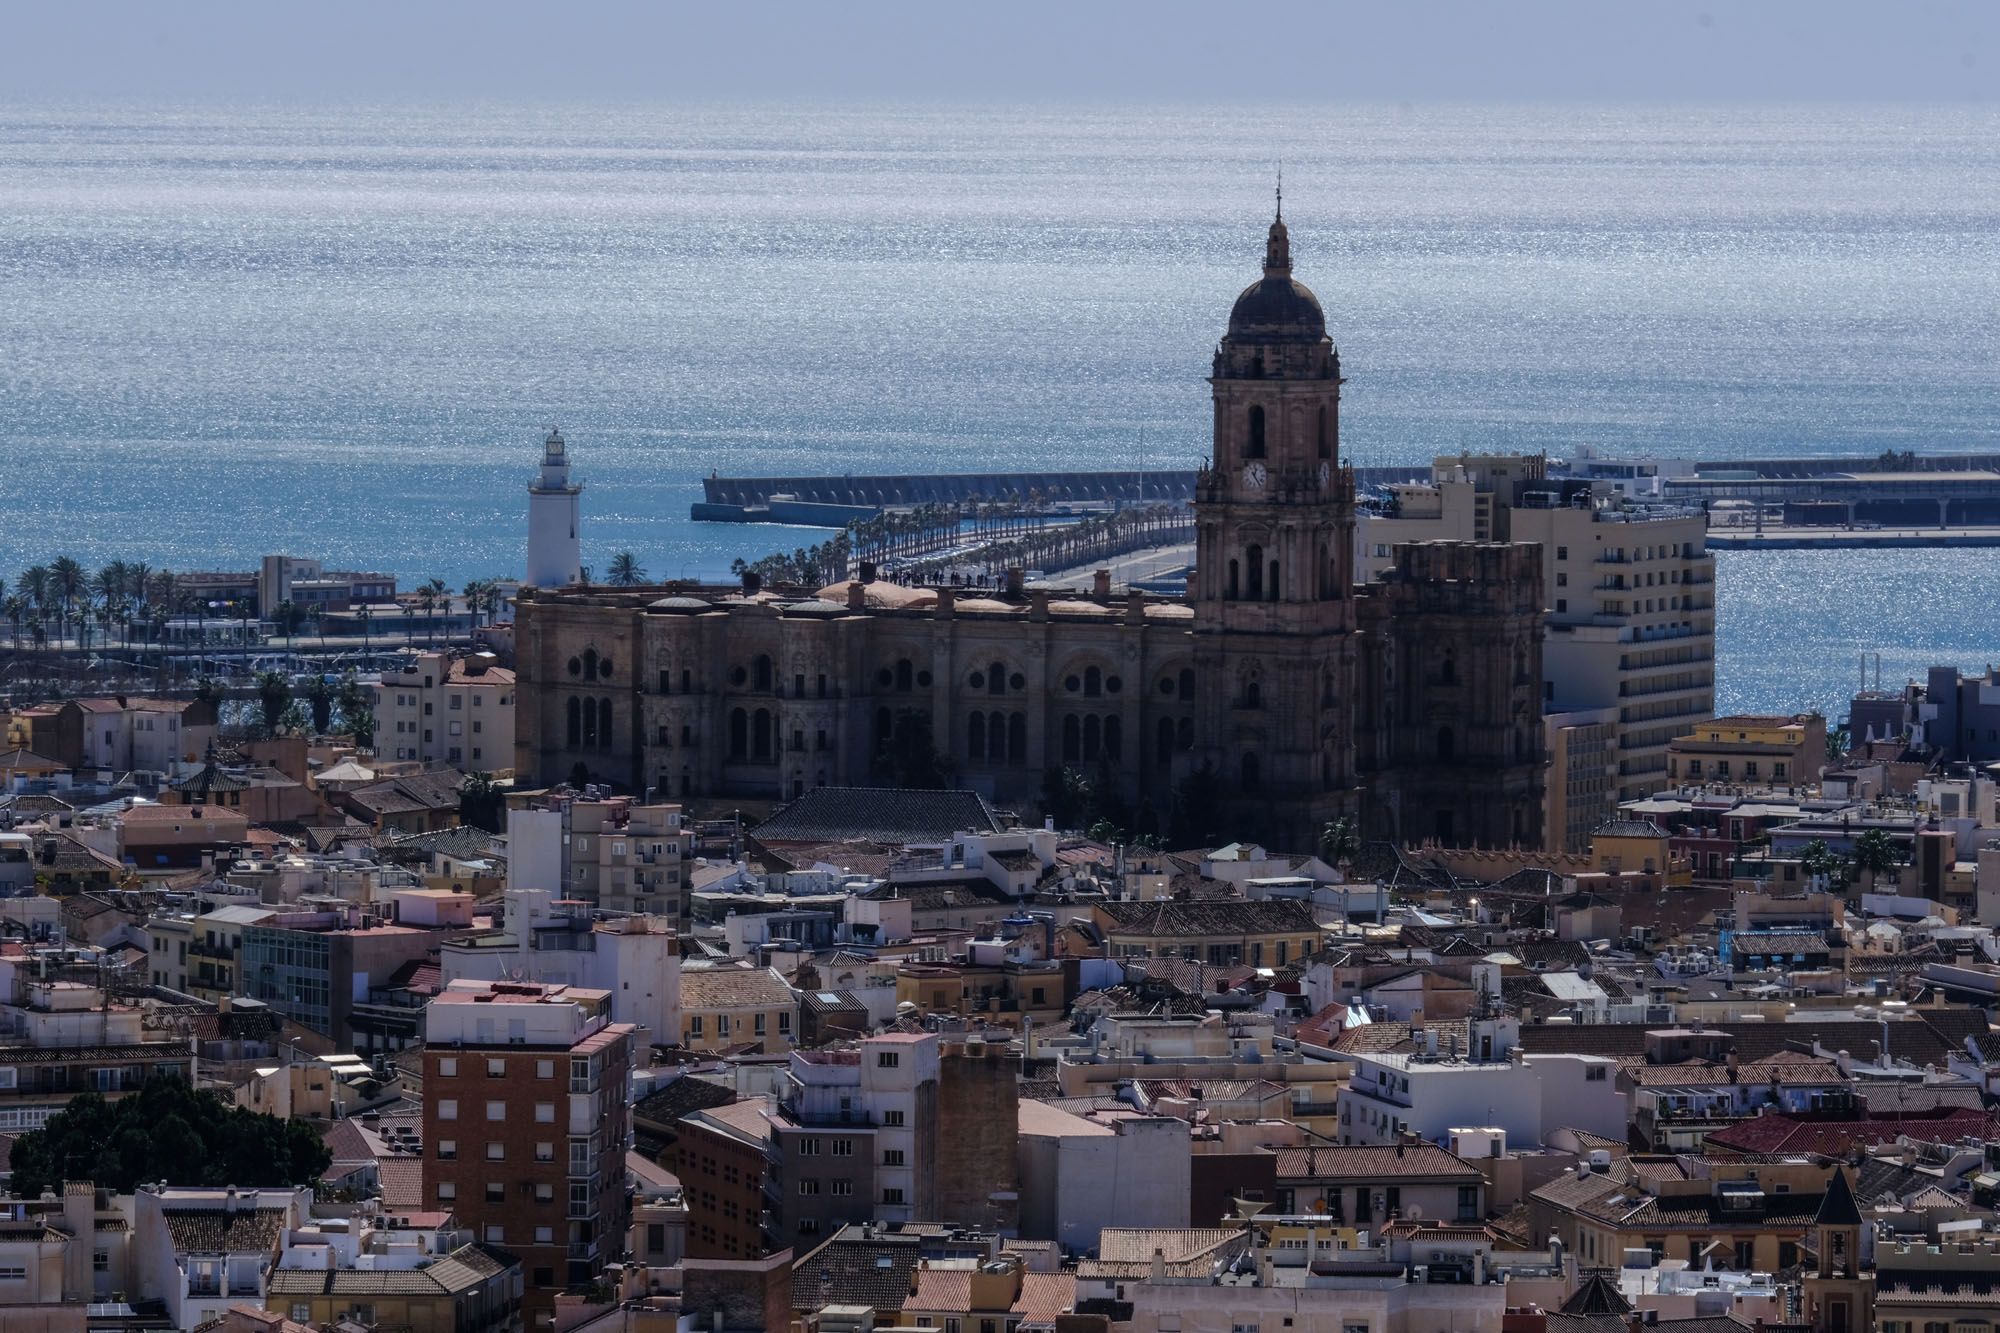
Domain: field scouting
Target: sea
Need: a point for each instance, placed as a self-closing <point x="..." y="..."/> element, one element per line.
<point x="343" y="331"/>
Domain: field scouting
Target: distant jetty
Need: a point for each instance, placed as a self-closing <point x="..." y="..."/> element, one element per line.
<point x="832" y="502"/>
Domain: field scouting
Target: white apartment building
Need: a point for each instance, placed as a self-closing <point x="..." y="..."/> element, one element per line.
<point x="204" y="1250"/>
<point x="124" y="735"/>
<point x="634" y="958"/>
<point x="892" y="1088"/>
<point x="614" y="854"/>
<point x="1629" y="586"/>
<point x="448" y="710"/>
<point x="1528" y="1096"/>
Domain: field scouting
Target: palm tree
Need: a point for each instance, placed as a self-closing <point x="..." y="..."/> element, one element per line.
<point x="69" y="584"/>
<point x="1876" y="853"/>
<point x="1338" y="845"/>
<point x="16" y="610"/>
<point x="626" y="572"/>
<point x="433" y="594"/>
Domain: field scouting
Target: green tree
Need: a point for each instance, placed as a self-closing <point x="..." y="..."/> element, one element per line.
<point x="1876" y="853"/>
<point x="360" y="723"/>
<point x="482" y="803"/>
<point x="626" y="571"/>
<point x="907" y="757"/>
<point x="1338" y="842"/>
<point x="165" y="1131"/>
<point x="319" y="697"/>
<point x="274" y="695"/>
<point x="296" y="720"/>
<point x="209" y="690"/>
<point x="1818" y="859"/>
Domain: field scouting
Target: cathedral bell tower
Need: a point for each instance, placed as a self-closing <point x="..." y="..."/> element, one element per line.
<point x="1273" y="591"/>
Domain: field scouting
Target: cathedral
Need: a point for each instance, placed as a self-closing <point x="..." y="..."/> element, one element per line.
<point x="1277" y="695"/>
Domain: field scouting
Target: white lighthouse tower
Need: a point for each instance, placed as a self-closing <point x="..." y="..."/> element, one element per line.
<point x="555" y="503"/>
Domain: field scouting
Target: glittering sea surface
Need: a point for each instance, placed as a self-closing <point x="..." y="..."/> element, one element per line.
<point x="341" y="332"/>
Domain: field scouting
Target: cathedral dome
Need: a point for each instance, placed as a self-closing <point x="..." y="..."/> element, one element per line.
<point x="1277" y="307"/>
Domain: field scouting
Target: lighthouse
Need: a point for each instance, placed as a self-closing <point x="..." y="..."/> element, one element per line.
<point x="555" y="504"/>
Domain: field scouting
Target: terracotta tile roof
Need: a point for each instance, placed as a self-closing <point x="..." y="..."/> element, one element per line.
<point x="1229" y="917"/>
<point x="683" y="1096"/>
<point x="1384" y="1162"/>
<point x="215" y="1231"/>
<point x="1783" y="1133"/>
<point x="854" y="1268"/>
<point x="730" y="987"/>
<point x="1180" y="1244"/>
<point x="402" y="1182"/>
<point x="881" y="814"/>
<point x="462" y="1270"/>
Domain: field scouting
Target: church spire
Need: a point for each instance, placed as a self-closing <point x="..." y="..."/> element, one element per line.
<point x="1278" y="248"/>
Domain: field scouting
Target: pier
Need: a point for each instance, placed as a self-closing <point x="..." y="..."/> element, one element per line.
<point x="835" y="501"/>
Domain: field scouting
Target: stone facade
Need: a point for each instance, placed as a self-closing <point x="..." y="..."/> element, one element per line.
<point x="1277" y="695"/>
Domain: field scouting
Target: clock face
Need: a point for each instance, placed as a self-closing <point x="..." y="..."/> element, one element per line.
<point x="1253" y="475"/>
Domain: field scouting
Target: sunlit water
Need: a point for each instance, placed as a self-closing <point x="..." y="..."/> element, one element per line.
<point x="229" y="332"/>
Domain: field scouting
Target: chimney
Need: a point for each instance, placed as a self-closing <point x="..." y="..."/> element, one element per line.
<point x="857" y="596"/>
<point x="1017" y="579"/>
<point x="230" y="1203"/>
<point x="1159" y="1264"/>
<point x="1100" y="584"/>
<point x="866" y="571"/>
<point x="752" y="582"/>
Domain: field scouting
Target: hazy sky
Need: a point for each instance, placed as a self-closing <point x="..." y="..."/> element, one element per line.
<point x="1000" y="50"/>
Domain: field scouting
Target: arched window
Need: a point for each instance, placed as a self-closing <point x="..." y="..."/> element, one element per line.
<point x="1253" y="774"/>
<point x="1093" y="737"/>
<point x="760" y="674"/>
<point x="996" y="679"/>
<point x="885" y="727"/>
<point x="1093" y="682"/>
<point x="760" y="734"/>
<point x="1446" y="743"/>
<point x="739" y="733"/>
<point x="604" y="723"/>
<point x="1185" y="730"/>
<point x="996" y="736"/>
<point x="1230" y="594"/>
<point x="1254" y="446"/>
<point x="1017" y="739"/>
<point x="1253" y="558"/>
<point x="589" y="724"/>
<point x="975" y="737"/>
<point x="1448" y="672"/>
<point x="1163" y="742"/>
<point x="1253" y="694"/>
<point x="904" y="673"/>
<point x="1271" y="590"/>
<point x="590" y="664"/>
<point x="1186" y="684"/>
<point x="1325" y="440"/>
<point x="1072" y="739"/>
<point x="575" y="717"/>
<point x="1326" y="688"/>
<point x="687" y="681"/>
<point x="1114" y="737"/>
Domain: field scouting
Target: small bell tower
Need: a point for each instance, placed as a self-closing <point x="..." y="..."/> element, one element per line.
<point x="1840" y="1291"/>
